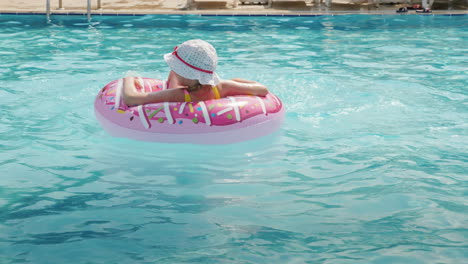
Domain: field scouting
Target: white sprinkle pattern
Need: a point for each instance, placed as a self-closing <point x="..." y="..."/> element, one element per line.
<point x="224" y="111"/>
<point x="167" y="110"/>
<point x="182" y="106"/>
<point x="205" y="113"/>
<point x="236" y="108"/>
<point x="118" y="93"/>
<point x="141" y="113"/>
<point x="262" y="104"/>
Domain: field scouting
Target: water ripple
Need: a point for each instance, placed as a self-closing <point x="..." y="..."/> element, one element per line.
<point x="369" y="166"/>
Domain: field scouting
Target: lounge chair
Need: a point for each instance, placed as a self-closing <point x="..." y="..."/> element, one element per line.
<point x="210" y="3"/>
<point x="424" y="10"/>
<point x="262" y="2"/>
<point x="289" y="3"/>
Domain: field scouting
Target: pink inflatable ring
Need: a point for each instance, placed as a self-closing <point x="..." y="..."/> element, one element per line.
<point x="219" y="121"/>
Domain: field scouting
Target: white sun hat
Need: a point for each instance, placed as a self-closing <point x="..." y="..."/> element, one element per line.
<point x="196" y="60"/>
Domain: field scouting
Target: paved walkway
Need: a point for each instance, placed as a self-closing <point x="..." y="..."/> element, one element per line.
<point x="177" y="7"/>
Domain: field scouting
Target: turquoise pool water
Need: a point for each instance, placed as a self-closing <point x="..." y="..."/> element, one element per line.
<point x="369" y="167"/>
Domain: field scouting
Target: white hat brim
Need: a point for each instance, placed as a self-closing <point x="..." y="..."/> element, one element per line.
<point x="187" y="72"/>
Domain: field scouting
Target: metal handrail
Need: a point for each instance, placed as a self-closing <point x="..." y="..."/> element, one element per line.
<point x="88" y="8"/>
<point x="48" y="9"/>
<point x="99" y="5"/>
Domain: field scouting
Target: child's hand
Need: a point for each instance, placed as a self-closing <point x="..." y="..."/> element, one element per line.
<point x="137" y="84"/>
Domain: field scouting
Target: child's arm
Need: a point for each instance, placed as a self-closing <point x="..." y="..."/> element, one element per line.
<point x="242" y="87"/>
<point x="133" y="97"/>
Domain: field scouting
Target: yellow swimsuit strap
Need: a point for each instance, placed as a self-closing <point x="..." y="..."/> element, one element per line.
<point x="216" y="92"/>
<point x="187" y="96"/>
<point x="189" y="99"/>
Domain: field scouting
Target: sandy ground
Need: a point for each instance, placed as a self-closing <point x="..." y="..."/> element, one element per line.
<point x="177" y="6"/>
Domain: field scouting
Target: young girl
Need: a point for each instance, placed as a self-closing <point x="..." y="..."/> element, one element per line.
<point x="192" y="78"/>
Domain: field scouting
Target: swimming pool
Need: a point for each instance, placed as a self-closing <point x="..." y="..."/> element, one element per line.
<point x="370" y="165"/>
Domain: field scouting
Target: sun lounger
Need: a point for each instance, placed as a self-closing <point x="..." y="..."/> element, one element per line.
<point x="290" y="3"/>
<point x="262" y="2"/>
<point x="211" y="4"/>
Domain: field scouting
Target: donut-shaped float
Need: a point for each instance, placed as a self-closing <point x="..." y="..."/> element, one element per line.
<point x="218" y="121"/>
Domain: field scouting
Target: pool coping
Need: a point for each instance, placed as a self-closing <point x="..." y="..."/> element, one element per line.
<point x="231" y="15"/>
<point x="280" y="13"/>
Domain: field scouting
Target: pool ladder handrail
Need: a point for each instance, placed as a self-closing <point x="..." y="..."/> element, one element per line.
<point x="88" y="8"/>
